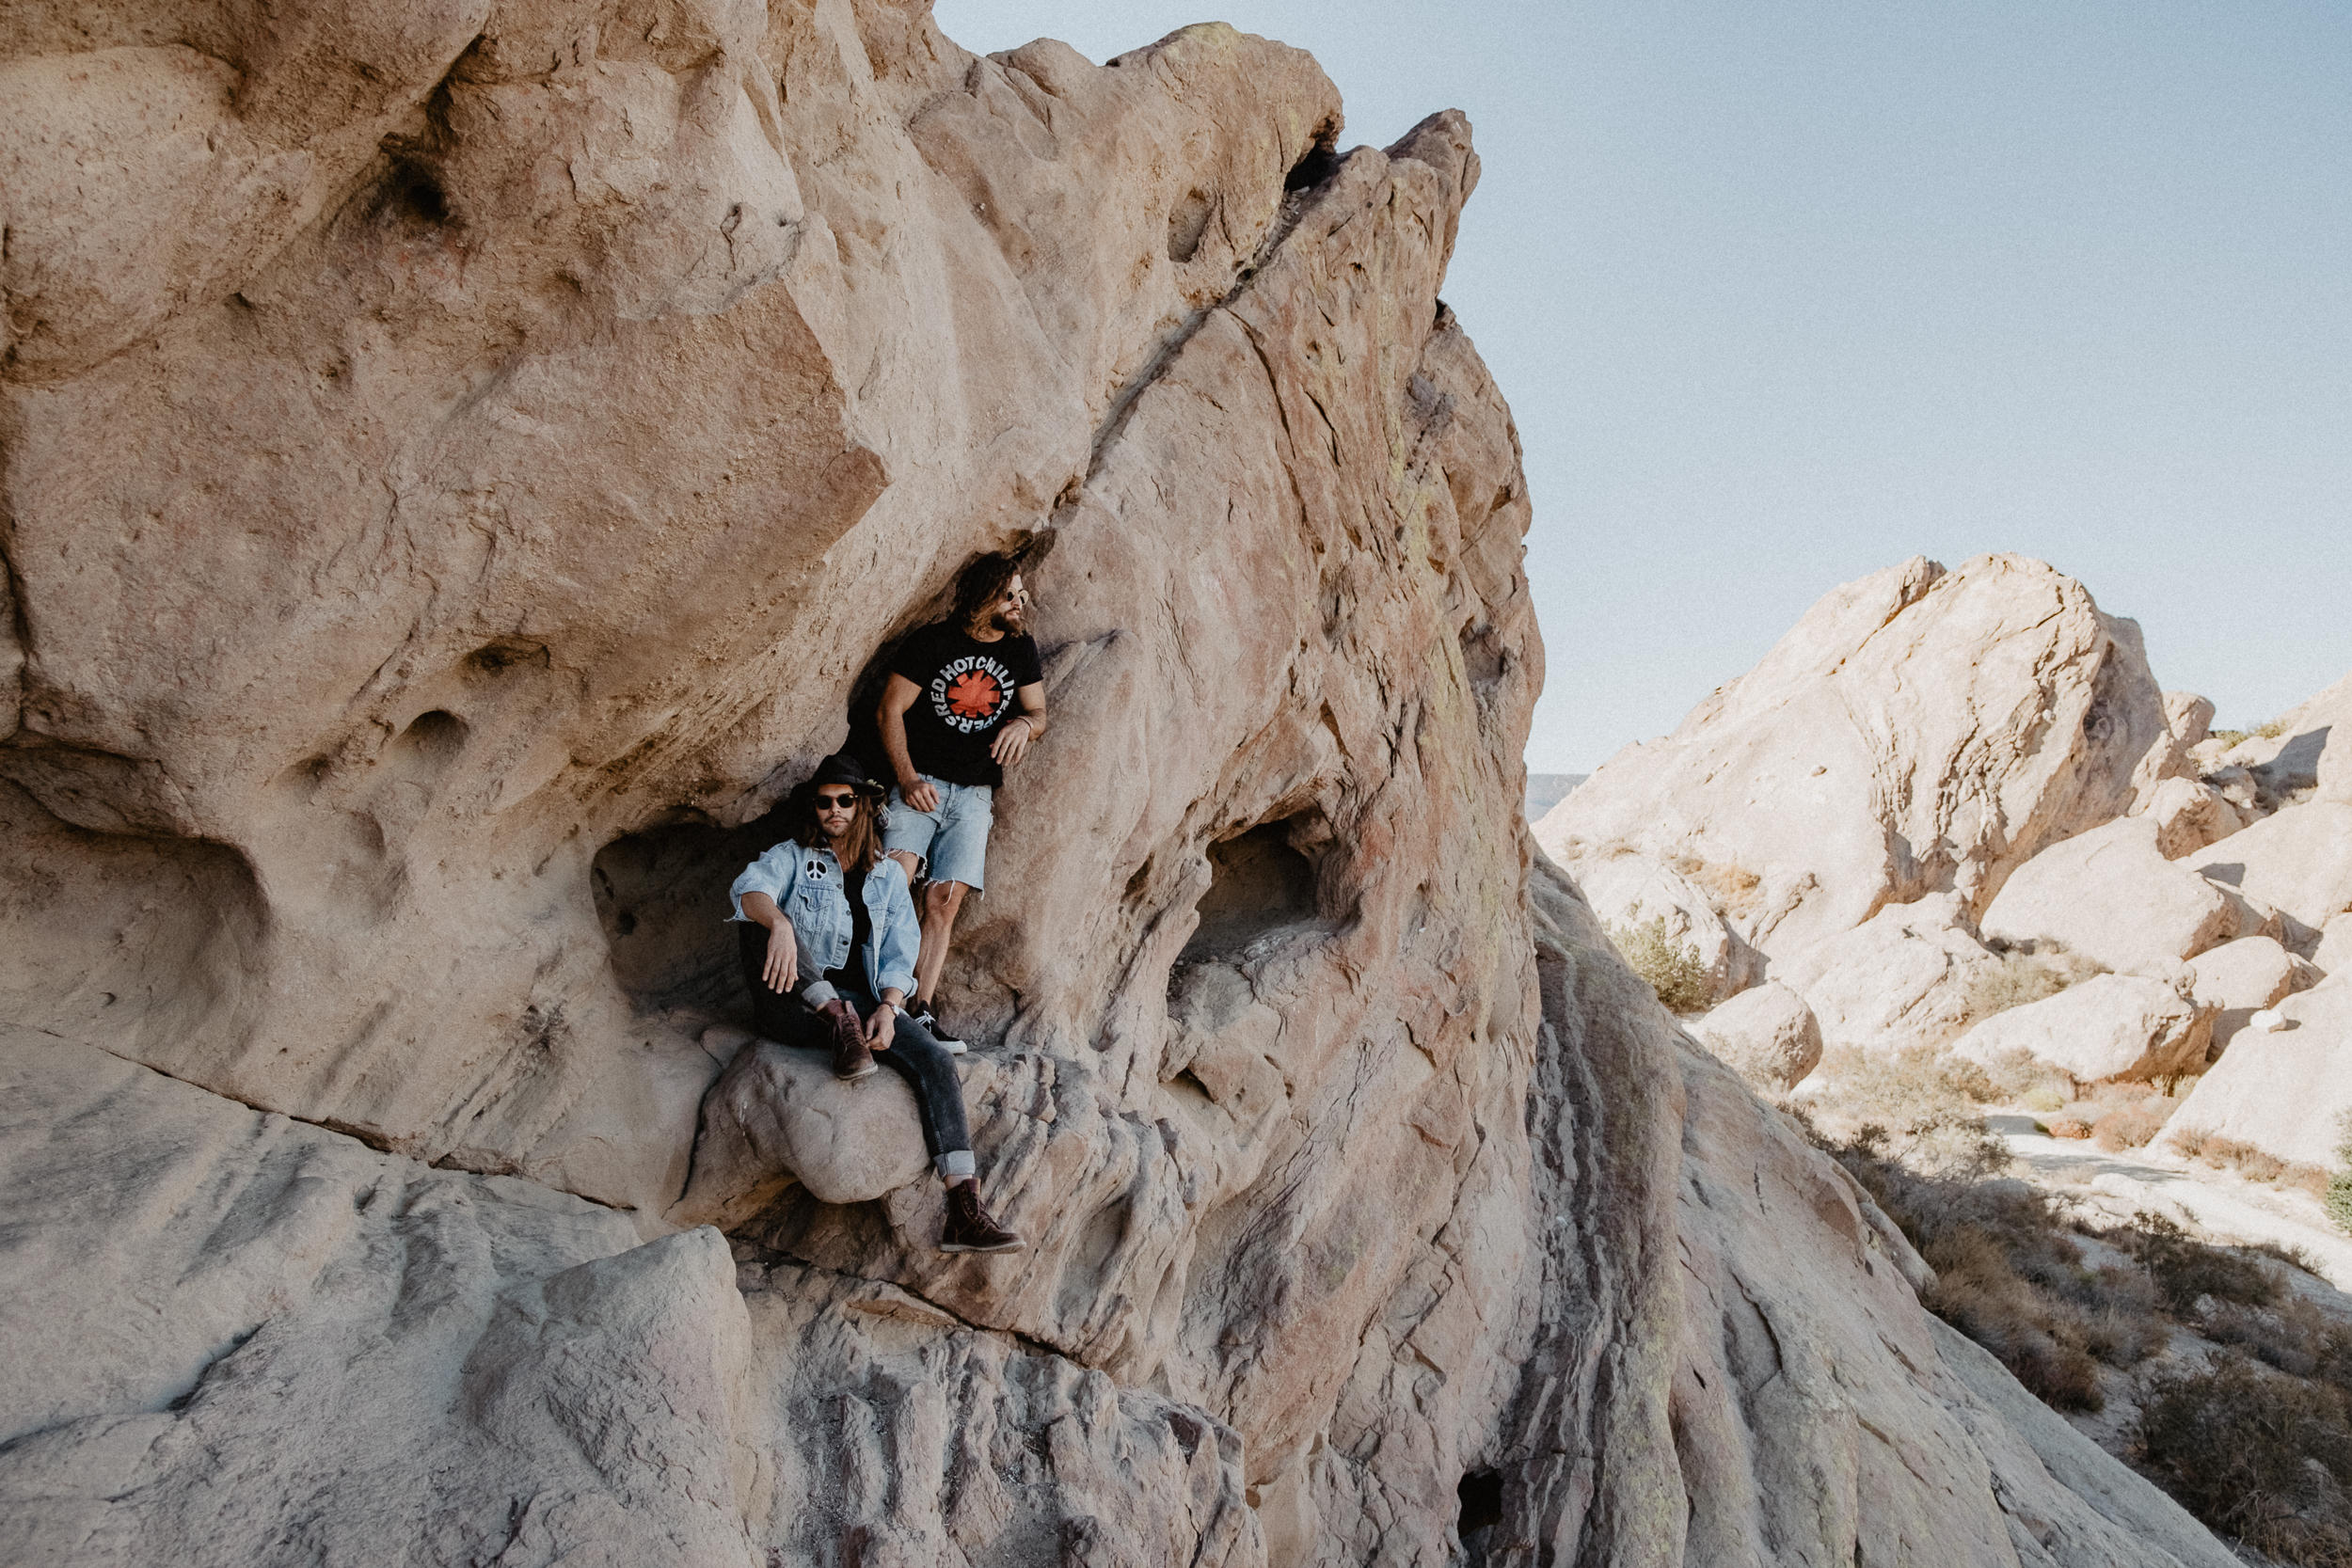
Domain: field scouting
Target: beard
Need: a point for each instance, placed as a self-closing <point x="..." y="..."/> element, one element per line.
<point x="1013" y="618"/>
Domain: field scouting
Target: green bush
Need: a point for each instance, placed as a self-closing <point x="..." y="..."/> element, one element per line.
<point x="2338" y="1198"/>
<point x="1673" y="969"/>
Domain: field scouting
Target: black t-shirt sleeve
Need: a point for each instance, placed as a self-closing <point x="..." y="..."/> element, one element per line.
<point x="1021" y="656"/>
<point x="917" y="656"/>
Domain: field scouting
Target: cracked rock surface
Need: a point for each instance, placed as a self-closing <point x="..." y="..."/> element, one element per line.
<point x="461" y="463"/>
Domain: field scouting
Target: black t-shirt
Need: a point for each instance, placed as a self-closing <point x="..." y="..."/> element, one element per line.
<point x="966" y="695"/>
<point x="852" y="971"/>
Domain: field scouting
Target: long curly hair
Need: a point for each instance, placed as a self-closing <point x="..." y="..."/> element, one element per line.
<point x="861" y="845"/>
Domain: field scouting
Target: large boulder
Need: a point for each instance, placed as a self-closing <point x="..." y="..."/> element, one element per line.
<point x="1767" y="1035"/>
<point x="2285" y="1091"/>
<point x="1917" y="731"/>
<point x="2248" y="974"/>
<point x="2189" y="814"/>
<point x="2299" y="860"/>
<point x="1911" y="976"/>
<point x="1631" y="891"/>
<point x="2110" y="895"/>
<point x="778" y="1116"/>
<point x="2108" y="1027"/>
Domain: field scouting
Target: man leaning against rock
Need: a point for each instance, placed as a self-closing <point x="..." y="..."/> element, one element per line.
<point x="950" y="730"/>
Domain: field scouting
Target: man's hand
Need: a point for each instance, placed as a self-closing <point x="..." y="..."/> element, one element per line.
<point x="784" y="958"/>
<point x="881" y="1028"/>
<point x="1012" y="742"/>
<point x="916" y="791"/>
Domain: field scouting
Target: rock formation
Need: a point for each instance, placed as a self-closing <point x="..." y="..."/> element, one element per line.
<point x="461" y="462"/>
<point x="1918" y="730"/>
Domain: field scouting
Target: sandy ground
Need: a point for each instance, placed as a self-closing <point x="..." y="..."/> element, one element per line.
<point x="2222" y="1205"/>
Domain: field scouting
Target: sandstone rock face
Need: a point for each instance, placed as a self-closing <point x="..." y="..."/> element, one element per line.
<point x="2189" y="814"/>
<point x="2311" y="750"/>
<point x="2299" y="860"/>
<point x="1767" y="1035"/>
<point x="2112" y="895"/>
<point x="2190" y="718"/>
<point x="461" y="466"/>
<point x="1917" y="731"/>
<point x="2333" y="953"/>
<point x="1909" y="976"/>
<point x="1634" y="890"/>
<point x="2287" y="1090"/>
<point x="2108" y="1027"/>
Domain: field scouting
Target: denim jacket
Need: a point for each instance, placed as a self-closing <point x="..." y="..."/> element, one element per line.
<point x="808" y="886"/>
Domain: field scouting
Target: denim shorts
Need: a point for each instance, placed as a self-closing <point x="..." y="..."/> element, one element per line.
<point x="952" y="842"/>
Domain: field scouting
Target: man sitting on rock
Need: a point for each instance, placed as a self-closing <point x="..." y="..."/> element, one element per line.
<point x="828" y="946"/>
<point x="949" y="728"/>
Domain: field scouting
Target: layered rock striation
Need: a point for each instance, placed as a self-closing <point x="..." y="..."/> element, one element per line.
<point x="462" y="464"/>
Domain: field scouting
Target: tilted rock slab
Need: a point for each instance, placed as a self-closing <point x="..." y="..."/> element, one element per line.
<point x="427" y="565"/>
<point x="2110" y="895"/>
<point x="1918" y="730"/>
<point x="2189" y="814"/>
<point x="2106" y="1028"/>
<point x="2299" y="860"/>
<point x="1910" y="976"/>
<point x="2285" y="1091"/>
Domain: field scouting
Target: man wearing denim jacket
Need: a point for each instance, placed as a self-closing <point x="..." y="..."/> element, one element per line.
<point x="829" y="938"/>
<point x="949" y="726"/>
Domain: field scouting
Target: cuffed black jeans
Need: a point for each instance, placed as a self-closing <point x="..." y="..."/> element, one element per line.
<point x="913" y="1055"/>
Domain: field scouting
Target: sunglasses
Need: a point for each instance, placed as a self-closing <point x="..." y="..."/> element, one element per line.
<point x="842" y="801"/>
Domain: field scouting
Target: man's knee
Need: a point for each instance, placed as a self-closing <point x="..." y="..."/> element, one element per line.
<point x="941" y="900"/>
<point x="908" y="861"/>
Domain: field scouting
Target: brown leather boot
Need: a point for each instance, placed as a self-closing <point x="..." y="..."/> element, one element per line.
<point x="969" y="1228"/>
<point x="851" y="1057"/>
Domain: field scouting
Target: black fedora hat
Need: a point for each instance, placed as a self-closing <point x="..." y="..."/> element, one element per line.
<point x="843" y="768"/>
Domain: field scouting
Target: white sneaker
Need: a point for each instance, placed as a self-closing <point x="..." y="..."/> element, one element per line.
<point x="922" y="1014"/>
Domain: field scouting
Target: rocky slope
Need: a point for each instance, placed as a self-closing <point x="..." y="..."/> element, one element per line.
<point x="2185" y="884"/>
<point x="461" y="462"/>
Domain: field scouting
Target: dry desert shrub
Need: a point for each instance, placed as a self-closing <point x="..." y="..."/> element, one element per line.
<point x="2010" y="1277"/>
<point x="2184" y="1270"/>
<point x="1920" y="1108"/>
<point x="2254" y="1163"/>
<point x="2028" y="972"/>
<point x="2129" y="1122"/>
<point x="1673" y="969"/>
<point x="2256" y="1453"/>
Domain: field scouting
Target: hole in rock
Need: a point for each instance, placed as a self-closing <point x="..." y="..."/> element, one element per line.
<point x="413" y="193"/>
<point x="661" y="901"/>
<point x="1260" y="882"/>
<point x="1320" y="162"/>
<point x="507" y="652"/>
<point x="433" y="738"/>
<point x="1482" y="655"/>
<point x="1187" y="222"/>
<point x="1481" y="1491"/>
<point x="154" y="947"/>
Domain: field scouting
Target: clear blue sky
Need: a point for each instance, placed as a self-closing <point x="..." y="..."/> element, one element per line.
<point x="1784" y="291"/>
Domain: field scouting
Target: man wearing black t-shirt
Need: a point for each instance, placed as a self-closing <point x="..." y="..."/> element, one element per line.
<point x="951" y="726"/>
